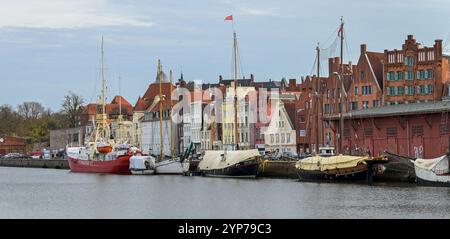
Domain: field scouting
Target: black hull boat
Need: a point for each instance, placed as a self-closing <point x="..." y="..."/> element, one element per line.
<point x="231" y="164"/>
<point x="339" y="168"/>
<point x="358" y="173"/>
<point x="247" y="169"/>
<point x="398" y="169"/>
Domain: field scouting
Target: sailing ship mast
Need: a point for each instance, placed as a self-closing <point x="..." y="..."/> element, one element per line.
<point x="120" y="117"/>
<point x="160" y="109"/>
<point x="235" y="89"/>
<point x="212" y="128"/>
<point x="318" y="99"/>
<point x="102" y="118"/>
<point x="172" y="136"/>
<point x="341" y="73"/>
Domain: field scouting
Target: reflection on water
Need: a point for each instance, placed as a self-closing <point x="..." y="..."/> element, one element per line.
<point x="48" y="193"/>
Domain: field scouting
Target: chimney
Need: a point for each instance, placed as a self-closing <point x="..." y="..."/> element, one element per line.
<point x="292" y="83"/>
<point x="363" y="49"/>
<point x="438" y="47"/>
<point x="410" y="37"/>
<point x="330" y="66"/>
<point x="252" y="77"/>
<point x="220" y="78"/>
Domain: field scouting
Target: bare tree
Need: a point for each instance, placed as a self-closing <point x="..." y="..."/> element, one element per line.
<point x="30" y="110"/>
<point x="73" y="108"/>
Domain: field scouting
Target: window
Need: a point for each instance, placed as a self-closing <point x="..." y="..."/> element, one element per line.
<point x="75" y="137"/>
<point x="368" y="132"/>
<point x="366" y="90"/>
<point x="391" y="58"/>
<point x="271" y="138"/>
<point x="399" y="75"/>
<point x="409" y="75"/>
<point x="353" y="105"/>
<point x="430" y="55"/>
<point x="421" y="56"/>
<point x="421" y="75"/>
<point x="417" y="131"/>
<point x="391" y="76"/>
<point x="288" y="138"/>
<point x="365" y="104"/>
<point x="277" y="138"/>
<point x="302" y="119"/>
<point x="327" y="108"/>
<point x="429" y="74"/>
<point x="409" y="61"/>
<point x="421" y="89"/>
<point x="399" y="57"/>
<point x="376" y="103"/>
<point x="363" y="75"/>
<point x="430" y="89"/>
<point x="392" y="91"/>
<point x="356" y="90"/>
<point x="409" y="90"/>
<point x="391" y="132"/>
<point x="400" y="90"/>
<point x="283" y="137"/>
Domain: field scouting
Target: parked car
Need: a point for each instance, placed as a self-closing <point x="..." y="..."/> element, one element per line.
<point x="35" y="155"/>
<point x="15" y="156"/>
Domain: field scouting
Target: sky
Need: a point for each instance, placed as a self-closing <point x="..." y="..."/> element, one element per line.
<point x="51" y="47"/>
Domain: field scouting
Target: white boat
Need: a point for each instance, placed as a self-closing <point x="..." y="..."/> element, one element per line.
<point x="433" y="172"/>
<point x="142" y="165"/>
<point x="169" y="166"/>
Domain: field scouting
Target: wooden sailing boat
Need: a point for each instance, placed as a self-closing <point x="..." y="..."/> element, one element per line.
<point x="171" y="165"/>
<point x="99" y="155"/>
<point x="235" y="163"/>
<point x="335" y="167"/>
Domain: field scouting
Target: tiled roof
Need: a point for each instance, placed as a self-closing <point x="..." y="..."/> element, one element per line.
<point x="141" y="105"/>
<point x="153" y="90"/>
<point x="120" y="100"/>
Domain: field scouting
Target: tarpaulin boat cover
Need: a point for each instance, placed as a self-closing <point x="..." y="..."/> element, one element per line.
<point x="437" y="165"/>
<point x="138" y="162"/>
<point x="213" y="159"/>
<point x="329" y="163"/>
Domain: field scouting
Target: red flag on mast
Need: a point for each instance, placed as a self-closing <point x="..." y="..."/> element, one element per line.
<point x="229" y="18"/>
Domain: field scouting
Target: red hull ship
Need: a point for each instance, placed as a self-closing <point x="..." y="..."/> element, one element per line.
<point x="118" y="166"/>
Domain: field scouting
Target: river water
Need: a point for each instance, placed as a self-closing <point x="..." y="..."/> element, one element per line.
<point x="52" y="193"/>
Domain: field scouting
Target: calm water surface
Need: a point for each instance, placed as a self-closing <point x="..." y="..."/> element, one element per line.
<point x="50" y="193"/>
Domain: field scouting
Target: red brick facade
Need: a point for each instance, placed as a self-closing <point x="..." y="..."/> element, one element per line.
<point x="415" y="73"/>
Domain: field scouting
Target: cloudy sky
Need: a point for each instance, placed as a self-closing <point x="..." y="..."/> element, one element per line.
<point x="49" y="47"/>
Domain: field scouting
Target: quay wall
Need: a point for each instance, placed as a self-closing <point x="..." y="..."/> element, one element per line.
<point x="35" y="163"/>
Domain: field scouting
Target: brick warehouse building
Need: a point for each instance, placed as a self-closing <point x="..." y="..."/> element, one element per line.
<point x="414" y="119"/>
<point x="414" y="130"/>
